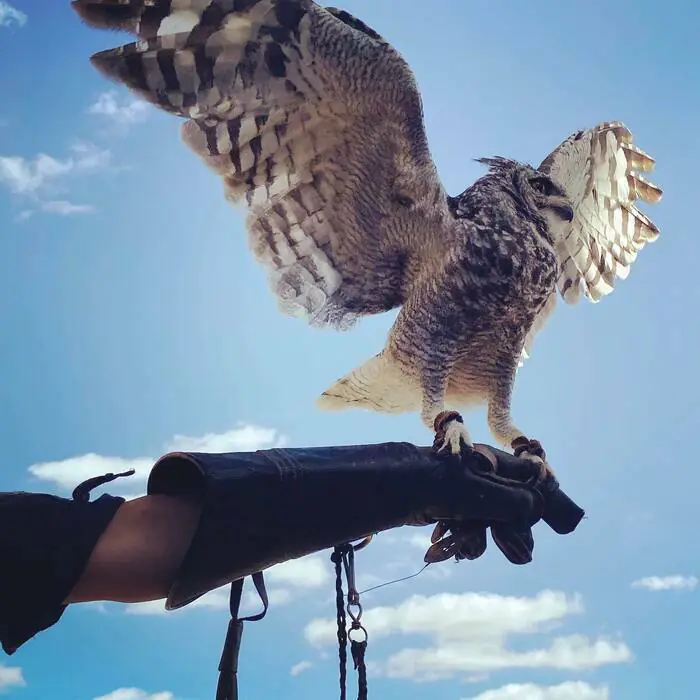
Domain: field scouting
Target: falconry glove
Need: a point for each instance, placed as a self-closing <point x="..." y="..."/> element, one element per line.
<point x="262" y="508"/>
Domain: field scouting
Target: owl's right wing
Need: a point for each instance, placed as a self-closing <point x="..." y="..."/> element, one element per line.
<point x="312" y="120"/>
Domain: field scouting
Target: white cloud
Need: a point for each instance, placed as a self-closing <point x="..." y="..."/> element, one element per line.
<point x="136" y="694"/>
<point x="24" y="176"/>
<point x="418" y="540"/>
<point x="218" y="599"/>
<point x="666" y="583"/>
<point x="299" y="668"/>
<point x="151" y="607"/>
<point x="89" y="157"/>
<point x="126" y="111"/>
<point x="453" y="616"/>
<point x="276" y="596"/>
<point x="244" y="438"/>
<point x="9" y="14"/>
<point x="469" y="633"/>
<point x="214" y="600"/>
<point x="11" y="677"/>
<point x="307" y="572"/>
<point x="67" y="473"/>
<point x="65" y="208"/>
<point x="27" y="176"/>
<point x="570" y="690"/>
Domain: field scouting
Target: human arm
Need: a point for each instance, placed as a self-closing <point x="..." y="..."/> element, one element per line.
<point x="209" y="519"/>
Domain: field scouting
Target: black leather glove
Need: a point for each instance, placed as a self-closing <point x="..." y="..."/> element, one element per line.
<point x="467" y="539"/>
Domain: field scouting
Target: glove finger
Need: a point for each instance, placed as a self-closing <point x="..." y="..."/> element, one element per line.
<point x="516" y="544"/>
<point x="471" y="540"/>
<point x="445" y="549"/>
<point x="465" y="541"/>
<point x="439" y="531"/>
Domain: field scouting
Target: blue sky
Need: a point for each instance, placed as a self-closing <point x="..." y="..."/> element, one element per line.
<point x="136" y="320"/>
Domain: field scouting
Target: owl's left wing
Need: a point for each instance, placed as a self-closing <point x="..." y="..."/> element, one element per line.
<point x="600" y="170"/>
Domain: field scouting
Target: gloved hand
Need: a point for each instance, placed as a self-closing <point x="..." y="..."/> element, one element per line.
<point x="467" y="539"/>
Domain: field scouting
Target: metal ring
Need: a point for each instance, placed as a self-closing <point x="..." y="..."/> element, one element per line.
<point x="359" y="628"/>
<point x="355" y="617"/>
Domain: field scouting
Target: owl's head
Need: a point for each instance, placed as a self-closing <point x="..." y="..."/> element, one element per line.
<point x="533" y="192"/>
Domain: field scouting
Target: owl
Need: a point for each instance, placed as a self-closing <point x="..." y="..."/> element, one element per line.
<point x="314" y="124"/>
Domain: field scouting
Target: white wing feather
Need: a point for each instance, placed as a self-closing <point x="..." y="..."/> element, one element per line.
<point x="600" y="171"/>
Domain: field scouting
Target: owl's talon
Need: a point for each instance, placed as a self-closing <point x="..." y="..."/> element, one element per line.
<point x="545" y="471"/>
<point x="450" y="433"/>
<point x="522" y="445"/>
<point x="532" y="451"/>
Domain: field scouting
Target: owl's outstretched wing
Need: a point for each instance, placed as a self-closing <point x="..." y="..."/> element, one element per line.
<point x="312" y="120"/>
<point x="600" y="169"/>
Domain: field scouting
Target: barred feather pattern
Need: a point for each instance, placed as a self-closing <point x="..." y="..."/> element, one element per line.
<point x="600" y="169"/>
<point x="282" y="100"/>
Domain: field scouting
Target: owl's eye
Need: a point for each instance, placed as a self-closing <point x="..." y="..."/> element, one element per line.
<point x="543" y="185"/>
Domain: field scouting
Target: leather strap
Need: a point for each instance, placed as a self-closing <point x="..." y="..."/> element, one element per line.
<point x="227" y="688"/>
<point x="82" y="491"/>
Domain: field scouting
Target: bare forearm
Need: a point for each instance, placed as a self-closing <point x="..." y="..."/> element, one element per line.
<point x="138" y="555"/>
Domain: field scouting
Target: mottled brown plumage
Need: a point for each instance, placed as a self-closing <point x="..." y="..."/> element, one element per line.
<point x="314" y="122"/>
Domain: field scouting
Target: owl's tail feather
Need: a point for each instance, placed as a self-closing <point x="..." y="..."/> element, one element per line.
<point x="377" y="385"/>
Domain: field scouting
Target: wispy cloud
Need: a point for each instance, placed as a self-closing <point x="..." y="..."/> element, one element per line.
<point x="67" y="473"/>
<point x="218" y="599"/>
<point x="570" y="690"/>
<point x="306" y="572"/>
<point x="136" y="694"/>
<point x="11" y="677"/>
<point x="125" y="111"/>
<point x="65" y="208"/>
<point x="27" y="176"/>
<point x="667" y="583"/>
<point x="10" y="15"/>
<point x="469" y="634"/>
<point x="299" y="668"/>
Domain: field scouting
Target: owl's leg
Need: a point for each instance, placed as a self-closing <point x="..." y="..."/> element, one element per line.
<point x="450" y="426"/>
<point x="419" y="342"/>
<point x="508" y="434"/>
